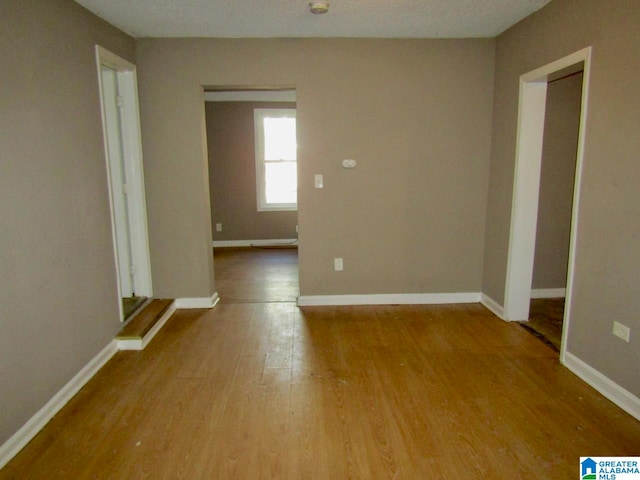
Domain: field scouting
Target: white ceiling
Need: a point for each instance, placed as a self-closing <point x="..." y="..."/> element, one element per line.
<point x="291" y="18"/>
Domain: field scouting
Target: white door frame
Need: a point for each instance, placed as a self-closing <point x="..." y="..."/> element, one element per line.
<point x="136" y="212"/>
<point x="526" y="187"/>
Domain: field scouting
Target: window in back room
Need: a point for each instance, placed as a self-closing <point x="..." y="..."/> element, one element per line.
<point x="276" y="159"/>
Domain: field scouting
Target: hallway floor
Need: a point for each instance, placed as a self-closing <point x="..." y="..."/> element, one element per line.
<point x="256" y="274"/>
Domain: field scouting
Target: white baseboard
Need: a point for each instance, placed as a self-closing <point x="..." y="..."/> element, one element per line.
<point x="19" y="439"/>
<point x="254" y="243"/>
<point x="614" y="392"/>
<point x="548" y="293"/>
<point x="388" y="299"/>
<point x="202" y="302"/>
<point x="140" y="344"/>
<point x="29" y="430"/>
<point x="492" y="305"/>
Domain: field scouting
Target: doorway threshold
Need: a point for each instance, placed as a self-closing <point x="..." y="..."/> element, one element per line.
<point x="145" y="324"/>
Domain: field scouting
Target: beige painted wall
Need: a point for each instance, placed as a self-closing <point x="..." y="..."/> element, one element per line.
<point x="58" y="297"/>
<point x="414" y="114"/>
<point x="557" y="176"/>
<point x="232" y="175"/>
<point x="607" y="261"/>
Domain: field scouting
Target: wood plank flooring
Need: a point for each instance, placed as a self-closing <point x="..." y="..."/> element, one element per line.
<point x="256" y="274"/>
<point x="273" y="391"/>
<point x="268" y="390"/>
<point x="545" y="320"/>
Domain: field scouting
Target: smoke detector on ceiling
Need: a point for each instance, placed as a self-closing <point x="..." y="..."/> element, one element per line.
<point x="319" y="7"/>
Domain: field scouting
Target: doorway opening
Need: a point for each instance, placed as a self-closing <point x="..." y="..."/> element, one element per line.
<point x="123" y="151"/>
<point x="252" y="159"/>
<point x="526" y="191"/>
<point x="559" y="152"/>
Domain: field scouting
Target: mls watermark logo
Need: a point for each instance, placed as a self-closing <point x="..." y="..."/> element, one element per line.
<point x="609" y="468"/>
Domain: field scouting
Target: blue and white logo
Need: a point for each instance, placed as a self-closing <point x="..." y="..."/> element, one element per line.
<point x="587" y="468"/>
<point x="610" y="468"/>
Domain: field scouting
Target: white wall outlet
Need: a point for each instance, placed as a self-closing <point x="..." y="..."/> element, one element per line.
<point x="218" y="227"/>
<point x="621" y="331"/>
<point x="318" y="181"/>
<point x="296" y="228"/>
<point x="338" y="264"/>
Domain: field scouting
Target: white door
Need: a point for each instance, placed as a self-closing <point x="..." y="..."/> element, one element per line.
<point x="123" y="151"/>
<point x="112" y="104"/>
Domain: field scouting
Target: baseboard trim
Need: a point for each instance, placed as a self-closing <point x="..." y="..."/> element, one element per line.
<point x="202" y="302"/>
<point x="254" y="243"/>
<point x="548" y="293"/>
<point x="603" y="384"/>
<point x="140" y="344"/>
<point x="388" y="299"/>
<point x="492" y="306"/>
<point x="29" y="430"/>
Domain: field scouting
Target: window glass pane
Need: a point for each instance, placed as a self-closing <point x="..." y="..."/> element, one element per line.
<point x="281" y="182"/>
<point x="279" y="138"/>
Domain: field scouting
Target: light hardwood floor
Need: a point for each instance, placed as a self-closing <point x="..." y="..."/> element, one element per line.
<point x="256" y="274"/>
<point x="269" y="390"/>
<point x="545" y="320"/>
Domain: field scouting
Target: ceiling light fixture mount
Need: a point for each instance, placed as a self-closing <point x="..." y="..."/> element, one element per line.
<point x="319" y="7"/>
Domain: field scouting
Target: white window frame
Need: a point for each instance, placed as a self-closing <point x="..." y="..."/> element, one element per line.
<point x="259" y="114"/>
